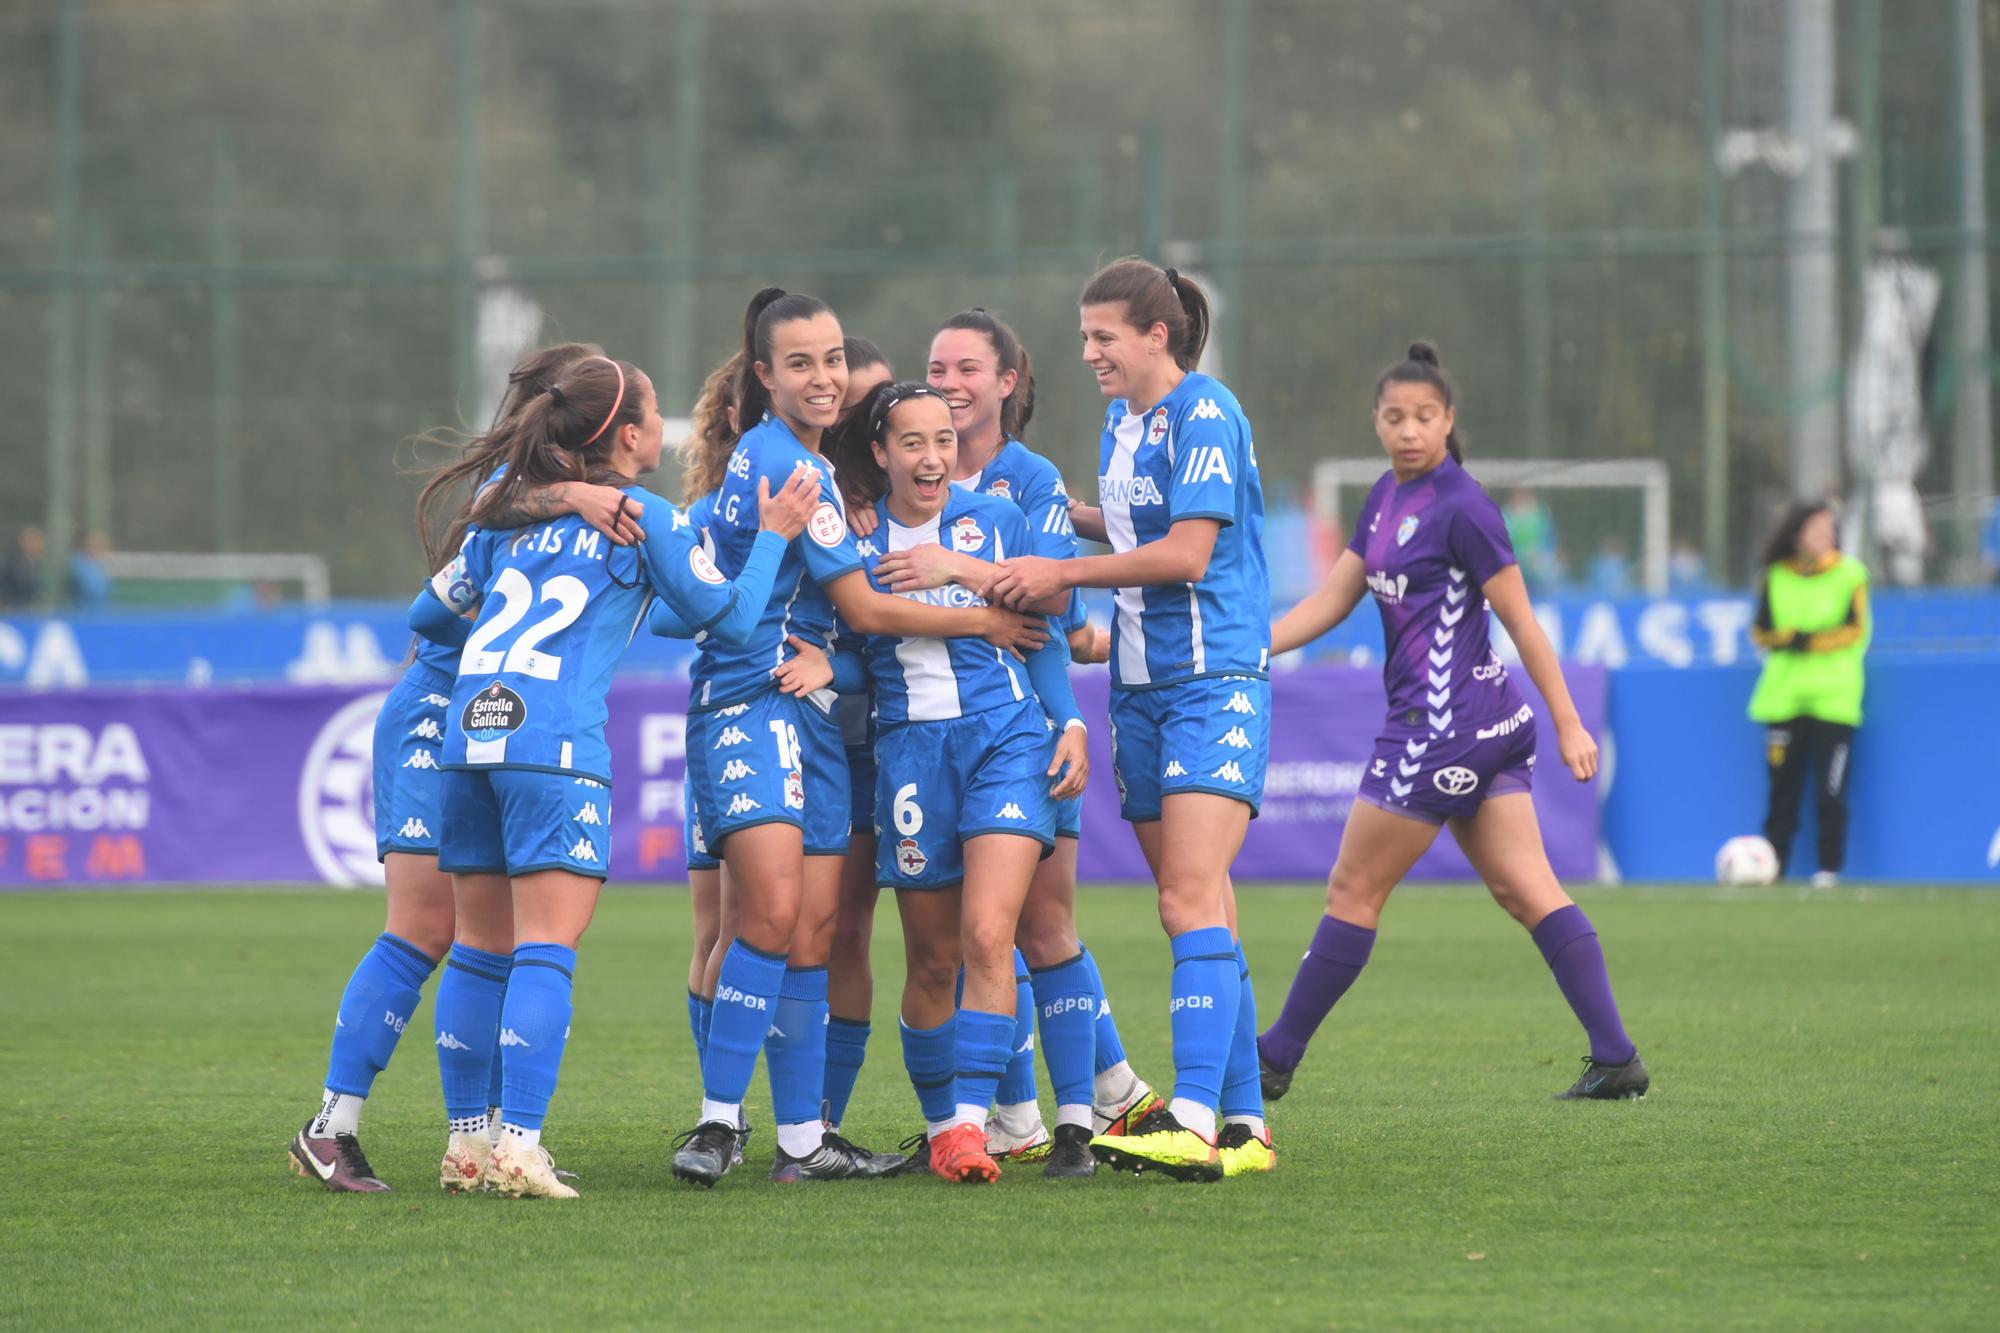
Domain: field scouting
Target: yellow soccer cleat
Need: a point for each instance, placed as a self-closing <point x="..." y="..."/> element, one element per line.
<point x="1243" y="1152"/>
<point x="1165" y="1147"/>
<point x="464" y="1166"/>
<point x="524" y="1173"/>
<point x="1123" y="1117"/>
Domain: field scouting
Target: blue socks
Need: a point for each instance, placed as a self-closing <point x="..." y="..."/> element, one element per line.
<point x="1110" y="1050"/>
<point x="930" y="1056"/>
<point x="1207" y="991"/>
<point x="983" y="1045"/>
<point x="534" y="1029"/>
<point x="1242" y="1086"/>
<point x="374" y="1009"/>
<point x="746" y="998"/>
<point x="468" y="1029"/>
<point x="795" y="1046"/>
<point x="846" y="1048"/>
<point x="1017" y="1085"/>
<point x="1066" y="1000"/>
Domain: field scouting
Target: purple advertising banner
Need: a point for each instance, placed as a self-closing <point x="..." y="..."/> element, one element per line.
<point x="273" y="785"/>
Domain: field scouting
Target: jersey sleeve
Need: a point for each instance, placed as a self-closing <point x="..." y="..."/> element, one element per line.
<point x="1210" y="464"/>
<point x="682" y="574"/>
<point x="1045" y="506"/>
<point x="1357" y="540"/>
<point x="1010" y="533"/>
<point x="827" y="545"/>
<point x="1478" y="540"/>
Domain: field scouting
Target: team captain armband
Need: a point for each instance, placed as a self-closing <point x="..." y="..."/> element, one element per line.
<point x="452" y="586"/>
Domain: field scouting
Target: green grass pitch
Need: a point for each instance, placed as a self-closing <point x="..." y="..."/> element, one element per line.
<point x="1820" y="1149"/>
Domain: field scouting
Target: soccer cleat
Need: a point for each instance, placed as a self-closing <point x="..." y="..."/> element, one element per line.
<point x="706" y="1152"/>
<point x="1122" y="1117"/>
<point x="336" y="1162"/>
<point x="464" y="1166"/>
<point x="1243" y="1152"/>
<point x="1069" y="1154"/>
<point x="1160" y="1144"/>
<point x="1608" y="1083"/>
<point x="916" y="1154"/>
<point x="834" y="1159"/>
<point x="1825" y="879"/>
<point x="1004" y="1146"/>
<point x="524" y="1173"/>
<point x="1276" y="1082"/>
<point x="959" y="1154"/>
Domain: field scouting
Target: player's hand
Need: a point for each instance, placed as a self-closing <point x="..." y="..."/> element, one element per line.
<point x="1089" y="645"/>
<point x="1073" y="753"/>
<point x="1027" y="579"/>
<point x="862" y="521"/>
<point x="921" y="567"/>
<point x="786" y="512"/>
<point x="808" y="670"/>
<point x="605" y="508"/>
<point x="1012" y="631"/>
<point x="1578" y="750"/>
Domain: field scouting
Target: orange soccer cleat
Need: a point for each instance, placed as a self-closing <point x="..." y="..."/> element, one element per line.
<point x="959" y="1154"/>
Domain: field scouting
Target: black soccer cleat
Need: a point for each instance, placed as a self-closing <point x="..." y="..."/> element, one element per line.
<point x="335" y="1161"/>
<point x="706" y="1153"/>
<point x="1070" y="1157"/>
<point x="1276" y="1082"/>
<point x="834" y="1159"/>
<point x="916" y="1154"/>
<point x="1608" y="1083"/>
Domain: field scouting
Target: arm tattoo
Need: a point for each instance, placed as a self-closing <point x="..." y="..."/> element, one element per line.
<point x="533" y="506"/>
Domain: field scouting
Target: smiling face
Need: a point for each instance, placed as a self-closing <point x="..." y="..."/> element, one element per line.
<point x="807" y="373"/>
<point x="918" y="448"/>
<point x="965" y="368"/>
<point x="1124" y="358"/>
<point x="861" y="383"/>
<point x="1413" y="423"/>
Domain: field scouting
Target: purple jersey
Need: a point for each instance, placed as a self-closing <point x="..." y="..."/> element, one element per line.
<point x="1428" y="547"/>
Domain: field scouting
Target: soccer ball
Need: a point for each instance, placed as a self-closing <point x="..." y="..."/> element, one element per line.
<point x="1748" y="860"/>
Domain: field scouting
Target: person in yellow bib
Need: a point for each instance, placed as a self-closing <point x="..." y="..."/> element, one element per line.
<point x="1812" y="623"/>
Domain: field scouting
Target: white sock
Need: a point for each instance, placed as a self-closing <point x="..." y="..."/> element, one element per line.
<point x="1019" y="1119"/>
<point x="1114" y="1087"/>
<point x="339" y="1113"/>
<point x="801" y="1140"/>
<point x="933" y="1128"/>
<point x="1256" y="1123"/>
<point x="729" y="1113"/>
<point x="523" y="1138"/>
<point x="483" y="1123"/>
<point x="1194" y="1116"/>
<point x="1078" y="1114"/>
<point x="968" y="1114"/>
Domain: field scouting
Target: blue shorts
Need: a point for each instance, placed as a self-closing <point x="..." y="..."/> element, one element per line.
<point x="409" y="737"/>
<point x="514" y="821"/>
<point x="694" y="844"/>
<point x="1212" y="734"/>
<point x="772" y="759"/>
<point x="1435" y="778"/>
<point x="941" y="783"/>
<point x="861" y="794"/>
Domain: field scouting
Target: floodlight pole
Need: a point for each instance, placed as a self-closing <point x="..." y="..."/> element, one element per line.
<point x="468" y="201"/>
<point x="1715" y="515"/>
<point x="59" y="523"/>
<point x="1812" y="279"/>
<point x="1972" y="445"/>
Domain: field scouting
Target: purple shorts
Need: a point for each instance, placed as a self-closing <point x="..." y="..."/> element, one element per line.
<point x="1435" y="778"/>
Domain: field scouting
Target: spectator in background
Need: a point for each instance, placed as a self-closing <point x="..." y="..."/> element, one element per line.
<point x="1812" y="623"/>
<point x="1611" y="568"/>
<point x="1687" y="571"/>
<point x="89" y="585"/>
<point x="1532" y="530"/>
<point x="1989" y="545"/>
<point x="21" y="577"/>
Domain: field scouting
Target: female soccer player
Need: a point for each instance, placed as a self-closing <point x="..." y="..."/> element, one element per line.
<point x="964" y="767"/>
<point x="771" y="769"/>
<point x="1459" y="742"/>
<point x="1812" y="623"/>
<point x="984" y="373"/>
<point x="527" y="769"/>
<point x="382" y="993"/>
<point x="1183" y="509"/>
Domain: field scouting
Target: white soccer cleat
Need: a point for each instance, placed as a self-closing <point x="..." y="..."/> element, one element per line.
<point x="524" y="1173"/>
<point x="464" y="1166"/>
<point x="1003" y="1145"/>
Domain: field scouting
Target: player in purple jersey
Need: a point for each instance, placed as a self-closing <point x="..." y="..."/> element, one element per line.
<point x="1458" y="745"/>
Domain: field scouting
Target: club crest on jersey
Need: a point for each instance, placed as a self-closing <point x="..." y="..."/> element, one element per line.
<point x="1156" y="429"/>
<point x="795" y="790"/>
<point x="703" y="567"/>
<point x="966" y="536"/>
<point x="492" y="713"/>
<point x="1406" y="529"/>
<point x="826" y="525"/>
<point x="910" y="858"/>
<point x="1001" y="490"/>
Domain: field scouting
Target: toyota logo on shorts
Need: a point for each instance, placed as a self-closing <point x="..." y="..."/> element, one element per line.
<point x="1455" y="781"/>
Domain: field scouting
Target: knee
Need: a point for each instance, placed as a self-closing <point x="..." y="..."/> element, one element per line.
<point x="1189" y="903"/>
<point x="989" y="944"/>
<point x="931" y="973"/>
<point x="769" y="926"/>
<point x="1045" y="944"/>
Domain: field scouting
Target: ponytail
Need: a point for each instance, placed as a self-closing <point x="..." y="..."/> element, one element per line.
<point x="767" y="310"/>
<point x="704" y="454"/>
<point x="1421" y="366"/>
<point x="1154" y="295"/>
<point x="566" y="433"/>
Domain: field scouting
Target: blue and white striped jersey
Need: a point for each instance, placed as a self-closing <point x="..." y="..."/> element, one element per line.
<point x="1191" y="456"/>
<point x="927" y="680"/>
<point x="1019" y="474"/>
<point x="722" y="674"/>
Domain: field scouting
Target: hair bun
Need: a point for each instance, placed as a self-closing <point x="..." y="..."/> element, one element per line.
<point x="1424" y="353"/>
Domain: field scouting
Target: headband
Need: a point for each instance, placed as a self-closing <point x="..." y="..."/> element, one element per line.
<point x="894" y="396"/>
<point x="616" y="402"/>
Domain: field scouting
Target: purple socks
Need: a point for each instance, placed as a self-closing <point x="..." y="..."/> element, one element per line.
<point x="1569" y="944"/>
<point x="1339" y="951"/>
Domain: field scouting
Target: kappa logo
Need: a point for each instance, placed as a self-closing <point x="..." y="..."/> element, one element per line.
<point x="736" y="770"/>
<point x="420" y="759"/>
<point x="741" y="804"/>
<point x="509" y="1037"/>
<point x="910" y="858"/>
<point x="1229" y="772"/>
<point x="867" y="548"/>
<point x="795" y="789"/>
<point x="450" y="1043"/>
<point x="966" y="536"/>
<point x="1457" y="780"/>
<point x="586" y="782"/>
<point x="413" y="828"/>
<point x="1010" y="811"/>
<point x="734" y="710"/>
<point x="1156" y="429"/>
<point x="1174" y="769"/>
<point x="1239" y="702"/>
<point x="730" y="736"/>
<point x="583" y="851"/>
<point x="428" y="730"/>
<point x="588" y="815"/>
<point x="1507" y="726"/>
<point x="438" y="700"/>
<point x="1235" y="739"/>
<point x="1205" y="410"/>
